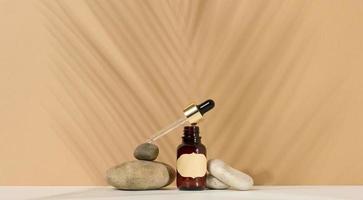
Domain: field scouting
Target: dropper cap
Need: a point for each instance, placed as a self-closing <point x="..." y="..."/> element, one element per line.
<point x="194" y="113"/>
<point x="205" y="106"/>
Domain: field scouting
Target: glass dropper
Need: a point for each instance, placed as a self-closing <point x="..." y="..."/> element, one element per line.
<point x="192" y="114"/>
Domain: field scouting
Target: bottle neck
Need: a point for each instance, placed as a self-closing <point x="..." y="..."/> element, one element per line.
<point x="191" y="135"/>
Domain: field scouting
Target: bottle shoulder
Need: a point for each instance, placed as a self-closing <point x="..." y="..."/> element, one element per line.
<point x="191" y="148"/>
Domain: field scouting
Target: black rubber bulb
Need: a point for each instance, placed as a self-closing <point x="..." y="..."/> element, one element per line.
<point x="205" y="106"/>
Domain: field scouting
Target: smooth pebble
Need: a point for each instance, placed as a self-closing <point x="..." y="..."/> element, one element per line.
<point x="230" y="176"/>
<point x="214" y="183"/>
<point x="146" y="151"/>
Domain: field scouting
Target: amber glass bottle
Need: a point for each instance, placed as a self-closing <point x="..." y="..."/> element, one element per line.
<point x="191" y="161"/>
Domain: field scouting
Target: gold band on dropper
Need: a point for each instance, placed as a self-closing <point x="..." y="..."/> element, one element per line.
<point x="192" y="114"/>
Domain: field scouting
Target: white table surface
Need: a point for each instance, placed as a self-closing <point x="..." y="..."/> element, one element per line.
<point x="257" y="193"/>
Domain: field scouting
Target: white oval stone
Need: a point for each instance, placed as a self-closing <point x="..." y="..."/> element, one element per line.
<point x="214" y="183"/>
<point x="230" y="176"/>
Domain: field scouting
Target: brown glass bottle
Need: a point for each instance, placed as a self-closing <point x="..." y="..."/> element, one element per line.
<point x="191" y="161"/>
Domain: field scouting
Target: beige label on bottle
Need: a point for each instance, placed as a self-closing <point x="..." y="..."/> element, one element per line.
<point x="192" y="165"/>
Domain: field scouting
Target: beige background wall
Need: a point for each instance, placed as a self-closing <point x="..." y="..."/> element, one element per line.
<point x="83" y="82"/>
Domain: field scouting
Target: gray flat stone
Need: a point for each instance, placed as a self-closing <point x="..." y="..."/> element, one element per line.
<point x="146" y="151"/>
